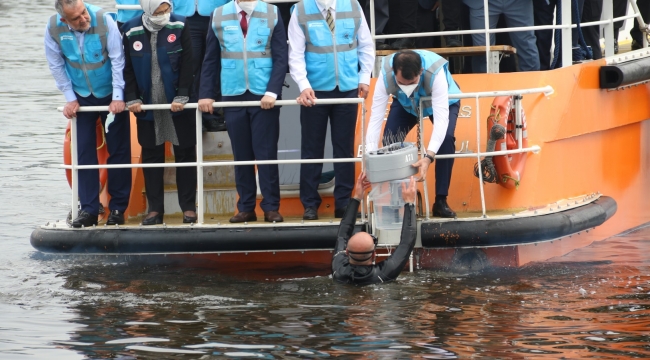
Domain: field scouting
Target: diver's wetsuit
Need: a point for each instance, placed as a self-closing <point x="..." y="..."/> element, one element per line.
<point x="387" y="270"/>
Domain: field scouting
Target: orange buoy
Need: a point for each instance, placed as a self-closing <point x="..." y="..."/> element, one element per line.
<point x="510" y="168"/>
<point x="102" y="153"/>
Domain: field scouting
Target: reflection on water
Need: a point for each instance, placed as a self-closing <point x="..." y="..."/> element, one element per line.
<point x="594" y="302"/>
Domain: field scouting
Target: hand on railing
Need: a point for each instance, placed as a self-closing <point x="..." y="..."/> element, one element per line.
<point x="205" y="105"/>
<point x="363" y="90"/>
<point x="307" y="98"/>
<point x="268" y="102"/>
<point x="116" y="106"/>
<point x="70" y="109"/>
<point x="136" y="107"/>
<point x="176" y="107"/>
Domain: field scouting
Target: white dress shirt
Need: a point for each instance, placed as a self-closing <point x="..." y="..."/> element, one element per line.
<point x="439" y="103"/>
<point x="56" y="60"/>
<point x="297" y="65"/>
<point x="248" y="20"/>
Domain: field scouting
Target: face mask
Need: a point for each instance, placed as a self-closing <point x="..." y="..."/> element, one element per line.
<point x="160" y="20"/>
<point x="248" y="6"/>
<point x="408" y="89"/>
<point x="325" y="4"/>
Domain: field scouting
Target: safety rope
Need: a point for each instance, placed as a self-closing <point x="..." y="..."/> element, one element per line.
<point x="506" y="178"/>
<point x="488" y="170"/>
<point x="584" y="52"/>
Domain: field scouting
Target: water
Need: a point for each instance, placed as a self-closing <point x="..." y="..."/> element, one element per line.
<point x="593" y="302"/>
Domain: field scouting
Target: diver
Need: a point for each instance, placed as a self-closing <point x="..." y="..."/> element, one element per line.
<point x="354" y="255"/>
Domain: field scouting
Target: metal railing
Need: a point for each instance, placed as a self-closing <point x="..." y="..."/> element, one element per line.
<point x="566" y="27"/>
<point x="547" y="90"/>
<point x="200" y="164"/>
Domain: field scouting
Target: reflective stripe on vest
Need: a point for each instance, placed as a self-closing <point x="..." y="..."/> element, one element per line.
<point x="325" y="51"/>
<point x="437" y="63"/>
<point x="247" y="61"/>
<point x="94" y="57"/>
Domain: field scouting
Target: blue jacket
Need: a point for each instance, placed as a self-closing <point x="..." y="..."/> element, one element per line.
<point x="126" y="15"/>
<point x="266" y="56"/>
<point x="170" y="52"/>
<point x="90" y="72"/>
<point x="189" y="7"/>
<point x="432" y="63"/>
<point x="331" y="59"/>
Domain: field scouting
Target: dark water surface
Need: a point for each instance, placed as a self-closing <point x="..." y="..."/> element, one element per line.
<point x="594" y="302"/>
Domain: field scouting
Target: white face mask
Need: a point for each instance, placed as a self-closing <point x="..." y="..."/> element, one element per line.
<point x="408" y="89"/>
<point x="248" y="6"/>
<point x="325" y="4"/>
<point x="160" y="20"/>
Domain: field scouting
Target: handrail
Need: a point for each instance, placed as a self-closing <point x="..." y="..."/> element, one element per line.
<point x="199" y="146"/>
<point x="546" y="90"/>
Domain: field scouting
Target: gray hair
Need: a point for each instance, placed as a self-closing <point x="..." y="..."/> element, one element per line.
<point x="59" y="4"/>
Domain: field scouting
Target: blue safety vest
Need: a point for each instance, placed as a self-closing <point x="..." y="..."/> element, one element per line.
<point x="169" y="51"/>
<point x="126" y="15"/>
<point x="189" y="7"/>
<point x="90" y="72"/>
<point x="432" y="63"/>
<point x="246" y="62"/>
<point x="331" y="58"/>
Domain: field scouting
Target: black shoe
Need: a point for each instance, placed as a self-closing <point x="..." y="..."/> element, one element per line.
<point x="214" y="124"/>
<point x="615" y="46"/>
<point x="116" y="217"/>
<point x="68" y="219"/>
<point x="636" y="45"/>
<point x="441" y="209"/>
<point x="453" y="41"/>
<point x="382" y="46"/>
<point x="403" y="43"/>
<point x="84" y="219"/>
<point x="189" y="219"/>
<point x="338" y="213"/>
<point x="311" y="213"/>
<point x="154" y="220"/>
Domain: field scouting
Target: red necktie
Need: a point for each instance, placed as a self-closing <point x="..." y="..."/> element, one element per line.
<point x="243" y="23"/>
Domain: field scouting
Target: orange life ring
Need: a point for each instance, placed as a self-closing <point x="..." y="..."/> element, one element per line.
<point x="102" y="154"/>
<point x="510" y="168"/>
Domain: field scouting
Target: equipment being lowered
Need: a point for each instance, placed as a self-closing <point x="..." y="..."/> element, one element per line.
<point x="391" y="162"/>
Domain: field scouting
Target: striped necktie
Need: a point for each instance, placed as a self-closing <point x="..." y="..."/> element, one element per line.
<point x="330" y="20"/>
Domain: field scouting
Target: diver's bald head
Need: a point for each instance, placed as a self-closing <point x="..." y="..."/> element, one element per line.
<point x="361" y="249"/>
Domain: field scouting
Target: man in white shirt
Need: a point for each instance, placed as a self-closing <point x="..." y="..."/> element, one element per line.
<point x="331" y="55"/>
<point x="408" y="76"/>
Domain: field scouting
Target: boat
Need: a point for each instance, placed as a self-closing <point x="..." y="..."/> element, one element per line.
<point x="584" y="180"/>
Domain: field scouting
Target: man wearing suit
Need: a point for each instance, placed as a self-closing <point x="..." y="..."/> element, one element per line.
<point x="246" y="59"/>
<point x="331" y="55"/>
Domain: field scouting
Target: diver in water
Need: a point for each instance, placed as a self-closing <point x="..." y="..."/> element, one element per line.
<point x="354" y="255"/>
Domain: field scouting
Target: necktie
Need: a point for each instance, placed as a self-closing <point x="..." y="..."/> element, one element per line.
<point x="330" y="20"/>
<point x="243" y="23"/>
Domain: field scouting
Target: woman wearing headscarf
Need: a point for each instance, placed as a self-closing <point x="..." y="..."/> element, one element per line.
<point x="158" y="70"/>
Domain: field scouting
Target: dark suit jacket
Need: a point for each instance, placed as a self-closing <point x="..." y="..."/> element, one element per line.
<point x="184" y="122"/>
<point x="211" y="70"/>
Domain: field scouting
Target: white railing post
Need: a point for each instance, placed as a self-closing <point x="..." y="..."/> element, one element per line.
<point x="200" y="204"/>
<point x="566" y="49"/>
<point x="423" y="151"/>
<point x="608" y="13"/>
<point x="478" y="155"/>
<point x="518" y="121"/>
<point x="363" y="151"/>
<point x="486" y="15"/>
<point x="74" y="162"/>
